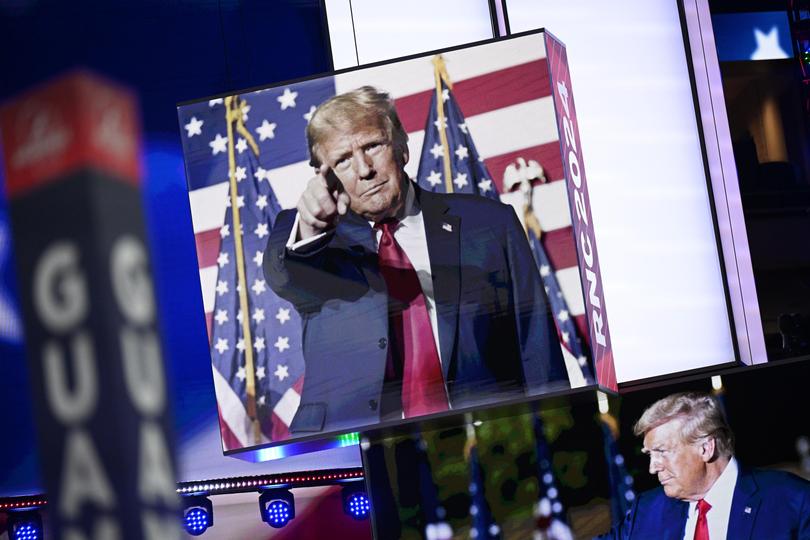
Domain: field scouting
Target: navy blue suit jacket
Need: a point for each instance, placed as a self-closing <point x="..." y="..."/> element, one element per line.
<point x="496" y="336"/>
<point x="767" y="505"/>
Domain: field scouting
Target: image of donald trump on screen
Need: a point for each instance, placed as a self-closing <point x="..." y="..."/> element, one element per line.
<point x="412" y="302"/>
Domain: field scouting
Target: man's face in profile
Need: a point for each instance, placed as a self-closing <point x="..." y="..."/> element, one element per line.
<point x="680" y="466"/>
<point x="362" y="156"/>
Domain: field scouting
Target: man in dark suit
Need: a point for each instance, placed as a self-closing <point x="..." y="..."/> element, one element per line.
<point x="704" y="493"/>
<point x="412" y="302"/>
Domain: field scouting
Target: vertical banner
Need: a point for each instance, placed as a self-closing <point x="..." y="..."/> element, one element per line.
<point x="577" y="186"/>
<point x="98" y="379"/>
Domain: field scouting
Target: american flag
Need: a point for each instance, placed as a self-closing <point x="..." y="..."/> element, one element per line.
<point x="434" y="514"/>
<point x="550" y="512"/>
<point x="504" y="90"/>
<point x="621" y="483"/>
<point x="447" y="133"/>
<point x="274" y="123"/>
<point x="464" y="171"/>
<point x="567" y="331"/>
<point x="484" y="525"/>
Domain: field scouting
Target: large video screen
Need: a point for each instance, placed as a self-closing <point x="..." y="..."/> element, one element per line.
<point x="391" y="242"/>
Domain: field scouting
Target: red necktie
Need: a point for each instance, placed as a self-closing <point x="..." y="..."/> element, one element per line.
<point x="410" y="330"/>
<point x="702" y="528"/>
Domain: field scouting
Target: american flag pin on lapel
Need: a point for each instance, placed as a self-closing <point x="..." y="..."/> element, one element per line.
<point x="747" y="509"/>
<point x="447" y="227"/>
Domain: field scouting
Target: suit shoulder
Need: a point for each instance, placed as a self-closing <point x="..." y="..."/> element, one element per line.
<point x="652" y="497"/>
<point x="650" y="510"/>
<point x="774" y="481"/>
<point x="476" y="205"/>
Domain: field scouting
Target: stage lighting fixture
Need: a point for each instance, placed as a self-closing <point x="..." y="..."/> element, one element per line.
<point x="198" y="514"/>
<point x="355" y="501"/>
<point x="24" y="526"/>
<point x="277" y="507"/>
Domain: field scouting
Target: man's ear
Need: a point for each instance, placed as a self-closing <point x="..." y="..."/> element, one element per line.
<point x="405" y="155"/>
<point x="707" y="449"/>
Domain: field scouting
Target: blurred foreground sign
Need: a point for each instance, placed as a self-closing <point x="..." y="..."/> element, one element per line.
<point x="102" y="410"/>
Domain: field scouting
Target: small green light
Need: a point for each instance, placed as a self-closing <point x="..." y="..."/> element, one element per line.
<point x="349" y="439"/>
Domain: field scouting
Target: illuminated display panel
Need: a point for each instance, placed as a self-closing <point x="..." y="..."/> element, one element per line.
<point x="366" y="31"/>
<point x="497" y="306"/>
<point x="648" y="184"/>
<point x="763" y="35"/>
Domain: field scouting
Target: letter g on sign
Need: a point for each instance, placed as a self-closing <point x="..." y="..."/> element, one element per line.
<point x="60" y="288"/>
<point x="131" y="281"/>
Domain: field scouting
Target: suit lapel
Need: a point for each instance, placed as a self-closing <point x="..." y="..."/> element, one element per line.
<point x="442" y="232"/>
<point x="744" y="507"/>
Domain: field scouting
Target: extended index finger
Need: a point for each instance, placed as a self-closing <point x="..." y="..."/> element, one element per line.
<point x="330" y="178"/>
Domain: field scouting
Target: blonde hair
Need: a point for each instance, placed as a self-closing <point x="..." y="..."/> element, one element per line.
<point x="357" y="108"/>
<point x="702" y="415"/>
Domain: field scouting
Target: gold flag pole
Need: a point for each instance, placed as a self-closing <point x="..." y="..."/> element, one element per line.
<point x="471" y="438"/>
<point x="233" y="113"/>
<point x="531" y="221"/>
<point x="612" y="424"/>
<point x="440" y="73"/>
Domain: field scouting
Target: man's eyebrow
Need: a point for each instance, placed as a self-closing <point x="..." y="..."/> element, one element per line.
<point x="337" y="156"/>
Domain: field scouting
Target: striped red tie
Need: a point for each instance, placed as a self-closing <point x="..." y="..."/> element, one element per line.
<point x="702" y="528"/>
<point x="410" y="331"/>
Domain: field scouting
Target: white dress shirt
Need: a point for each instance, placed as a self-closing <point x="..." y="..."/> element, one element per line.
<point x="410" y="235"/>
<point x="719" y="497"/>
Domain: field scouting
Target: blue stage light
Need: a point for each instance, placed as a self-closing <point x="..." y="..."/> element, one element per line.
<point x="26" y="525"/>
<point x="197" y="521"/>
<point x="26" y="531"/>
<point x="278" y="513"/>
<point x="198" y="515"/>
<point x="277" y="507"/>
<point x="355" y="500"/>
<point x="359" y="505"/>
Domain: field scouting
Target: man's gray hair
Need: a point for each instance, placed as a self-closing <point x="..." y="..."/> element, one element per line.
<point x="364" y="106"/>
<point x="702" y="414"/>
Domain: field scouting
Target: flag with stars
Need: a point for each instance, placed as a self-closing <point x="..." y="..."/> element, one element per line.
<point x="271" y="118"/>
<point x="507" y="102"/>
<point x="470" y="175"/>
<point x="621" y="483"/>
<point x="550" y="512"/>
<point x="433" y="513"/>
<point x="484" y="525"/>
<point x="567" y="331"/>
<point x="467" y="170"/>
